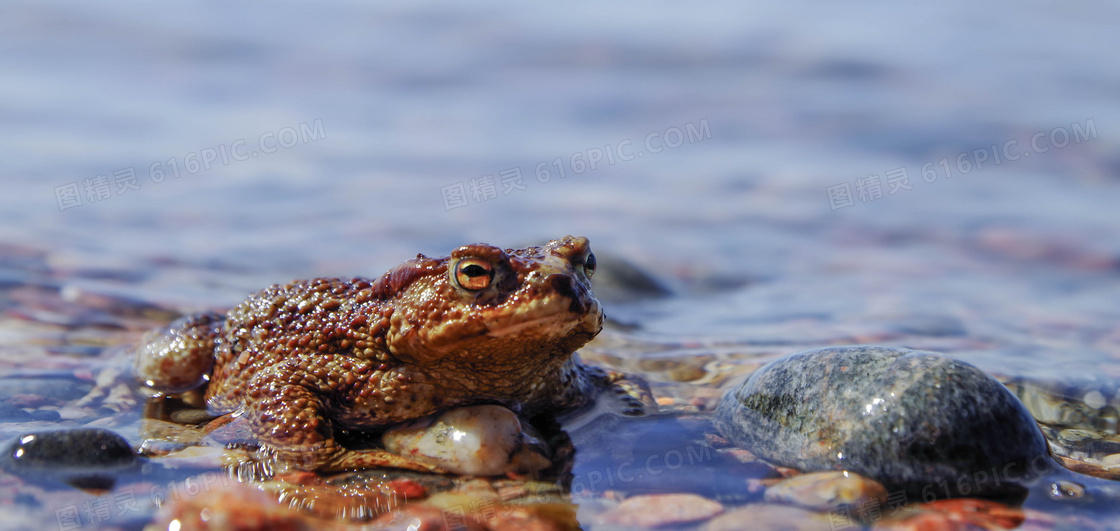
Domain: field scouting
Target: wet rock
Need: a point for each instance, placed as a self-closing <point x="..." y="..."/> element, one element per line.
<point x="477" y="440"/>
<point x="770" y="516"/>
<point x="916" y="421"/>
<point x="827" y="491"/>
<point x="87" y="458"/>
<point x="619" y="280"/>
<point x="962" y="514"/>
<point x="656" y="510"/>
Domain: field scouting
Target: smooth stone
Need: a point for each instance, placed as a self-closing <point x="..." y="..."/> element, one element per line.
<point x="482" y="440"/>
<point x="656" y="510"/>
<point x="915" y="421"/>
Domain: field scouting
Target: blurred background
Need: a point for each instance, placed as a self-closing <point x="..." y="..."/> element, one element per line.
<point x="942" y="175"/>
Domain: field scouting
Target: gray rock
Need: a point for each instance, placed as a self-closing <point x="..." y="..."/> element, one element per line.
<point x="916" y="421"/>
<point x="619" y="280"/>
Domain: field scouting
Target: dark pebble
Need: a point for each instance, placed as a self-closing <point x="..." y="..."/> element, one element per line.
<point x="48" y="415"/>
<point x="84" y="458"/>
<point x="916" y="421"/>
<point x="85" y="448"/>
<point x="10" y="413"/>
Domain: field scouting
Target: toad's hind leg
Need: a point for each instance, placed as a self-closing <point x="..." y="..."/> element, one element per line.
<point x="287" y="419"/>
<point x="180" y="356"/>
<point x="173" y="359"/>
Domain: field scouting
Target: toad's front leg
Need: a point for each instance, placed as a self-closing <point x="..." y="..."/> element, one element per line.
<point x="287" y="417"/>
<point x="588" y="391"/>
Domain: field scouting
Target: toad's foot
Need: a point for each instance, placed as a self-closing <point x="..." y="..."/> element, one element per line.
<point x="362" y="459"/>
<point x="619" y="394"/>
<point x="633" y="394"/>
<point x="288" y="421"/>
<point x="269" y="461"/>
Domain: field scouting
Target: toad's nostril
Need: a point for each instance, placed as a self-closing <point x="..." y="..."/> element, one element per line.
<point x="563" y="285"/>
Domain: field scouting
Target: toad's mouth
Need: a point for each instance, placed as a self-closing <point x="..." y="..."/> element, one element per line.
<point x="554" y="321"/>
<point x="544" y="329"/>
<point x="517" y="327"/>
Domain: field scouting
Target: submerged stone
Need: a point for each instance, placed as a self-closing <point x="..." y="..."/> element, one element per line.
<point x="916" y="421"/>
<point x="846" y="492"/>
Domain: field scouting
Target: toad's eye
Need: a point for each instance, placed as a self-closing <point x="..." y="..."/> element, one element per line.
<point x="473" y="274"/>
<point x="589" y="264"/>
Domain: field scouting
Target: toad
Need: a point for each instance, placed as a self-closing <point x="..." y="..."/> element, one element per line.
<point x="481" y="326"/>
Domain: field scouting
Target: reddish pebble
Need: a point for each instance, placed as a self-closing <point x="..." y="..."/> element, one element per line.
<point x="408" y="488"/>
<point x="956" y="514"/>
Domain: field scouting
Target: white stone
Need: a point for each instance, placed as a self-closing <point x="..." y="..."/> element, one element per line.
<point x="476" y="440"/>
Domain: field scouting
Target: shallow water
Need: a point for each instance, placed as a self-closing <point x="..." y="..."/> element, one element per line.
<point x="330" y="141"/>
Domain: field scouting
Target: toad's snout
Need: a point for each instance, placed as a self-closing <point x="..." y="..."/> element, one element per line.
<point x="579" y="296"/>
